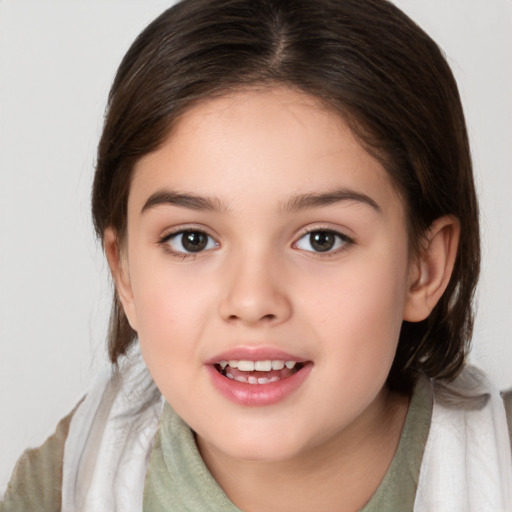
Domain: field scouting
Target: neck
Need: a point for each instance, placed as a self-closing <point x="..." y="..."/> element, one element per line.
<point x="341" y="474"/>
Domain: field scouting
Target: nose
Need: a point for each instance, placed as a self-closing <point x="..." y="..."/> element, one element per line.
<point x="254" y="293"/>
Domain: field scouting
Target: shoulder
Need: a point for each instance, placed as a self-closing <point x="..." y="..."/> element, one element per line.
<point x="472" y="399"/>
<point x="467" y="456"/>
<point x="120" y="414"/>
<point x="472" y="412"/>
<point x="37" y="477"/>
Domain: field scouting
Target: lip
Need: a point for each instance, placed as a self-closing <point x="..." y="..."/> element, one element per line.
<point x="257" y="395"/>
<point x="254" y="354"/>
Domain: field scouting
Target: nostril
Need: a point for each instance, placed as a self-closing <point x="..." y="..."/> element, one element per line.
<point x="269" y="317"/>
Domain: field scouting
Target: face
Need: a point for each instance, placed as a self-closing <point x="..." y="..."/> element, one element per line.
<point x="266" y="272"/>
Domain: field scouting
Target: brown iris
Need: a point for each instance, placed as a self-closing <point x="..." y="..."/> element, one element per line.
<point x="322" y="241"/>
<point x="194" y="241"/>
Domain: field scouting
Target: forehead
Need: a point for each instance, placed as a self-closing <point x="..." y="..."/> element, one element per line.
<point x="264" y="143"/>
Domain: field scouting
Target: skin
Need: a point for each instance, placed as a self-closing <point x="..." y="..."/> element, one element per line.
<point x="259" y="282"/>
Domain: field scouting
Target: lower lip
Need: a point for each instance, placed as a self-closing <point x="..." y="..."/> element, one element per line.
<point x="258" y="394"/>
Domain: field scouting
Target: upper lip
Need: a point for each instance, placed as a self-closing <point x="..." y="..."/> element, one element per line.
<point x="249" y="353"/>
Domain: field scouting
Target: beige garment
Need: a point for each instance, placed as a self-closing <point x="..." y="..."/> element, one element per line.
<point x="36" y="481"/>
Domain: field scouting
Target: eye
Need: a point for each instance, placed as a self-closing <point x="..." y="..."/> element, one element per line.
<point x="322" y="240"/>
<point x="190" y="241"/>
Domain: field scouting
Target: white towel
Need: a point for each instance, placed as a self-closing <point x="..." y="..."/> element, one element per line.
<point x="466" y="465"/>
<point x="110" y="440"/>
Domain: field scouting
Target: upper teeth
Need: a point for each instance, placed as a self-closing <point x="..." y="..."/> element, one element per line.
<point x="260" y="366"/>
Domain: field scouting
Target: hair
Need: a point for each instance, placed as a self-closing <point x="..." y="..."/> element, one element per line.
<point x="365" y="60"/>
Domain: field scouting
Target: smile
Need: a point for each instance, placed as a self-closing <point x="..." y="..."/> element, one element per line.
<point x="257" y="376"/>
<point x="258" y="372"/>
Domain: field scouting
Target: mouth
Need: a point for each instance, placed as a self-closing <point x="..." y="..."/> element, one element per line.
<point x="257" y="376"/>
<point x="258" y="372"/>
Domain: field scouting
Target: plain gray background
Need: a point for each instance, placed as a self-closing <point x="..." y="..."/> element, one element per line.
<point x="57" y="60"/>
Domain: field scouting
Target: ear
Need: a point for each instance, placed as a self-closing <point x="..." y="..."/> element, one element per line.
<point x="430" y="272"/>
<point x="118" y="263"/>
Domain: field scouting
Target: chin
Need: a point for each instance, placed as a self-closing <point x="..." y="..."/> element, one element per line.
<point x="261" y="446"/>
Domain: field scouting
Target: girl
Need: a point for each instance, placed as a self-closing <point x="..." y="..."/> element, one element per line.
<point x="285" y="198"/>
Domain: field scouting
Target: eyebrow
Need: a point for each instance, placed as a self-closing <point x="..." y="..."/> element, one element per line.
<point x="191" y="201"/>
<point x="316" y="200"/>
<point x="295" y="203"/>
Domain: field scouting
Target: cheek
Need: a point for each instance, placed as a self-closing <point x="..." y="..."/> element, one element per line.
<point x="357" y="310"/>
<point x="171" y="311"/>
<point x="356" y="323"/>
<point x="166" y="295"/>
<point x="170" y="329"/>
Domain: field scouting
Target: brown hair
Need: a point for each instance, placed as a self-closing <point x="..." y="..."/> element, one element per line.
<point x="364" y="59"/>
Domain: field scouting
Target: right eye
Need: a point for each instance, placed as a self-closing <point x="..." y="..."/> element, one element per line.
<point x="190" y="241"/>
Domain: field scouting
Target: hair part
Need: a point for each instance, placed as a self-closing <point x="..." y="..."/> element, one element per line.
<point x="365" y="60"/>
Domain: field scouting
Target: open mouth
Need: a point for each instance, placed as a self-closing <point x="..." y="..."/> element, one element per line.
<point x="258" y="372"/>
<point x="256" y="383"/>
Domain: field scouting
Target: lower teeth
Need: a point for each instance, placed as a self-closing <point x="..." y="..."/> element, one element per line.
<point x="252" y="379"/>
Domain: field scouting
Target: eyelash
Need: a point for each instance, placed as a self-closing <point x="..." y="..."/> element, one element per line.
<point x="341" y="238"/>
<point x="343" y="241"/>
<point x="165" y="239"/>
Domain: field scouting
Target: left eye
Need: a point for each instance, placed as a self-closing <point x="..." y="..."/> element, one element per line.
<point x="191" y="241"/>
<point x="322" y="240"/>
